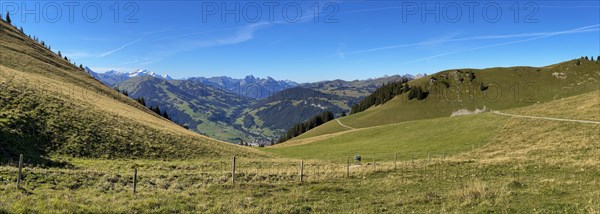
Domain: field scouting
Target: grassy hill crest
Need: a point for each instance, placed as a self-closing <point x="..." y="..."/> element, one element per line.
<point x="51" y="107"/>
<point x="451" y="91"/>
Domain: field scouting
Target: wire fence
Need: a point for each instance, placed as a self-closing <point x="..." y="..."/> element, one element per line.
<point x="150" y="176"/>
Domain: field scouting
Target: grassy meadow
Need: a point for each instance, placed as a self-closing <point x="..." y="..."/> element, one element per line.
<point x="450" y="135"/>
<point x="523" y="165"/>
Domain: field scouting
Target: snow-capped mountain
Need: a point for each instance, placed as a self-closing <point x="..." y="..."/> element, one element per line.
<point x="250" y="86"/>
<point x="418" y="76"/>
<point x="112" y="77"/>
<point x="140" y="72"/>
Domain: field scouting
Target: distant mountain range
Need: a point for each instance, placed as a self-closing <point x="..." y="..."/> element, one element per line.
<point x="273" y="115"/>
<point x="250" y="86"/>
<point x="203" y="108"/>
<point x="113" y="77"/>
<point x="250" y="109"/>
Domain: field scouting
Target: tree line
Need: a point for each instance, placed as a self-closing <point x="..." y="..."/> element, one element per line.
<point x="142" y="101"/>
<point x="587" y="59"/>
<point x="387" y="92"/>
<point x="8" y="20"/>
<point x="381" y="95"/>
<point x="302" y="127"/>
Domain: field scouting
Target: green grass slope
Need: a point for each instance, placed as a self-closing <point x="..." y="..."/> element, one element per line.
<point x="203" y="108"/>
<point x="50" y="107"/>
<point x="419" y="138"/>
<point x="452" y="91"/>
<point x="526" y="166"/>
<point x="555" y="142"/>
<point x="581" y="107"/>
<point x="448" y="135"/>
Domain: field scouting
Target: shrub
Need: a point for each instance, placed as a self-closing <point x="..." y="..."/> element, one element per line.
<point x="471" y="76"/>
<point x="418" y="93"/>
<point x="445" y="83"/>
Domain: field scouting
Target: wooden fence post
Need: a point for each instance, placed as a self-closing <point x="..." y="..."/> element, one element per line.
<point x="20" y="172"/>
<point x="429" y="159"/>
<point x="301" y="171"/>
<point x="233" y="170"/>
<point x="348" y="167"/>
<point x="374" y="169"/>
<point x="395" y="160"/>
<point x="134" y="180"/>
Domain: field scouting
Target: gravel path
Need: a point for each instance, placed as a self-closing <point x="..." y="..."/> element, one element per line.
<point x="546" y="118"/>
<point x="341" y="124"/>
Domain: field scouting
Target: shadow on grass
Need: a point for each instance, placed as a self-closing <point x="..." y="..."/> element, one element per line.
<point x="33" y="149"/>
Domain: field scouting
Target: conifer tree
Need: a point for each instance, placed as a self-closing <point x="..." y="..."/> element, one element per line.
<point x="406" y="88"/>
<point x="166" y="115"/>
<point x="381" y="95"/>
<point x="141" y="101"/>
<point x="307" y="125"/>
<point x="8" y="18"/>
<point x="157" y="110"/>
<point x="418" y="93"/>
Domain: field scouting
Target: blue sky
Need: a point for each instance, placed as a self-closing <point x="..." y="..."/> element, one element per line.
<point x="347" y="40"/>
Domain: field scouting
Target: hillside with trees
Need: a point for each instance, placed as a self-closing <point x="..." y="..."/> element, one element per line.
<point x="307" y="125"/>
<point x="274" y="115"/>
<point x="52" y="107"/>
<point x="202" y="108"/>
<point x="382" y="94"/>
<point x="465" y="90"/>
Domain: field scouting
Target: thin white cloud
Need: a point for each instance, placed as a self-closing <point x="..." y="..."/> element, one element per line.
<point x="243" y="33"/>
<point x="487" y="37"/>
<point x="341" y="54"/>
<point x="585" y="29"/>
<point x="106" y="69"/>
<point x="118" y="49"/>
<point x="78" y="54"/>
<point x="501" y="5"/>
